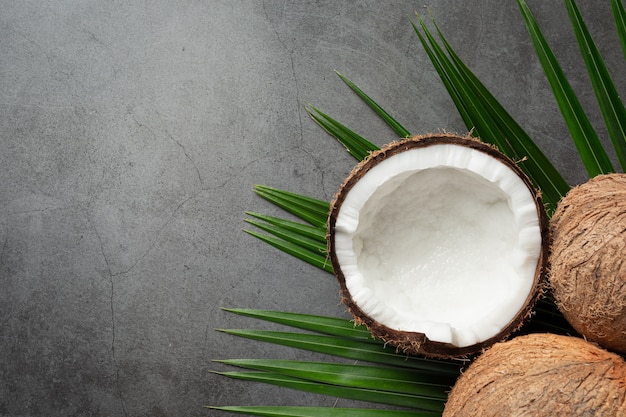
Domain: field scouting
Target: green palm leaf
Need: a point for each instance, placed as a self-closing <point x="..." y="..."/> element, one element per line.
<point x="619" y="13"/>
<point x="286" y="411"/>
<point x="308" y="209"/>
<point x="312" y="232"/>
<point x="397" y="127"/>
<point x="612" y="108"/>
<point x="476" y="116"/>
<point x="347" y="388"/>
<point x="585" y="138"/>
<point x="321" y="324"/>
<point x="486" y="117"/>
<point x="357" y="145"/>
<point x="314" y="258"/>
<point x="545" y="176"/>
<point x="388" y="379"/>
<point x="350" y="349"/>
<point x="292" y="236"/>
<point x="445" y="74"/>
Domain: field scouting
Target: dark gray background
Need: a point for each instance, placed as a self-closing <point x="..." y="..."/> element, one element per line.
<point x="131" y="136"/>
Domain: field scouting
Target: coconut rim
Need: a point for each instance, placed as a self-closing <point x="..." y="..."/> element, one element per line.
<point x="414" y="342"/>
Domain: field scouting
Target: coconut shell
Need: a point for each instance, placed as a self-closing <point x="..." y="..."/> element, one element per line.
<point x="541" y="375"/>
<point x="588" y="272"/>
<point x="415" y="343"/>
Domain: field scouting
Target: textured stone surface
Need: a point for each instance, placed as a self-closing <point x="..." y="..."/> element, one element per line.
<point x="131" y="135"/>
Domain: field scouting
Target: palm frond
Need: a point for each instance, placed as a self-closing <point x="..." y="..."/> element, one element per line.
<point x="612" y="108"/>
<point x="359" y="350"/>
<point x="357" y="145"/>
<point x="309" y="209"/>
<point x="293" y="236"/>
<point x="619" y="13"/>
<point x="387" y="385"/>
<point x="397" y="127"/>
<point x="295" y="249"/>
<point x="487" y="118"/>
<point x="286" y="411"/>
<point x="312" y="232"/>
<point x="585" y="138"/>
<point x="383" y="378"/>
<point x="333" y="326"/>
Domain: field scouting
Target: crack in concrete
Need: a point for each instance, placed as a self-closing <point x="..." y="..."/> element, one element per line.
<point x="154" y="241"/>
<point x="36" y="44"/>
<point x="112" y="309"/>
<point x="319" y="168"/>
<point x="177" y="142"/>
<point x="106" y="47"/>
<point x="5" y="244"/>
<point x="241" y="170"/>
<point x="39" y="210"/>
<point x="294" y="75"/>
<point x="111" y="281"/>
<point x="112" y="276"/>
<point x="290" y="52"/>
<point x="119" y="391"/>
<point x="51" y="57"/>
<point x="193" y="163"/>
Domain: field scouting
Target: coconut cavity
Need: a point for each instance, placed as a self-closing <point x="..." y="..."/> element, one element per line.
<point x="428" y="228"/>
<point x="588" y="271"/>
<point x="541" y="375"/>
<point x="438" y="245"/>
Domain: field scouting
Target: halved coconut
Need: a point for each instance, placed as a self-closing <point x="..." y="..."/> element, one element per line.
<point x="439" y="244"/>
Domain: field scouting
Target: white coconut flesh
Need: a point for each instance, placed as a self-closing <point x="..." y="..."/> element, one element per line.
<point x="442" y="240"/>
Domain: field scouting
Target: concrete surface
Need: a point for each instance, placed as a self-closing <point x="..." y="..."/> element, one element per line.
<point x="131" y="136"/>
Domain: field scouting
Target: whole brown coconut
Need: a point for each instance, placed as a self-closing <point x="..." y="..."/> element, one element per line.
<point x="439" y="244"/>
<point x="541" y="375"/>
<point x="588" y="272"/>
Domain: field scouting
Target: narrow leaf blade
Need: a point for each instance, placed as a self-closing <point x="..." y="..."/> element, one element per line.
<point x="480" y="120"/>
<point x="585" y="138"/>
<point x="444" y="75"/>
<point x="619" y="14"/>
<point x="312" y="232"/>
<point x="514" y="141"/>
<point x="290" y="236"/>
<point x="612" y="108"/>
<point x="309" y="209"/>
<point x="360" y="394"/>
<point x="320" y="324"/>
<point x="349" y="375"/>
<point x="313" y="258"/>
<point x="357" y="145"/>
<point x="349" y="349"/>
<point x="291" y="411"/>
<point x="391" y="122"/>
<point x="486" y="118"/>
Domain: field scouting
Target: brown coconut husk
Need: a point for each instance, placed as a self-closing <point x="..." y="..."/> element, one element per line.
<point x="588" y="271"/>
<point x="415" y="343"/>
<point x="541" y="375"/>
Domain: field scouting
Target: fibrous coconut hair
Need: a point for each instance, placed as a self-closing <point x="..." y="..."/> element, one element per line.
<point x="588" y="267"/>
<point x="541" y="375"/>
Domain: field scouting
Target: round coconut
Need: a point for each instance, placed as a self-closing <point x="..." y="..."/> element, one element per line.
<point x="588" y="272"/>
<point x="439" y="244"/>
<point x="538" y="375"/>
